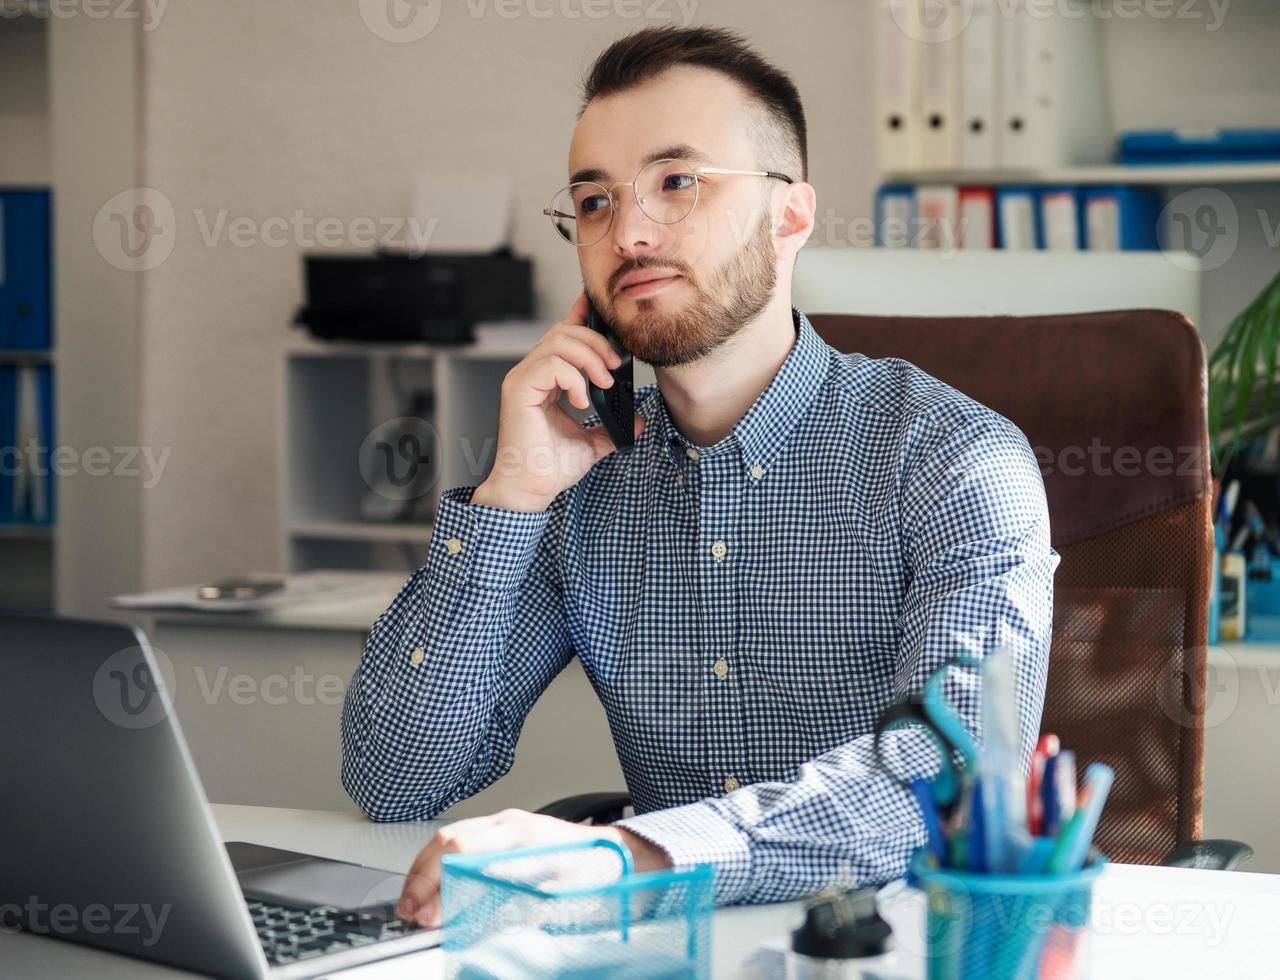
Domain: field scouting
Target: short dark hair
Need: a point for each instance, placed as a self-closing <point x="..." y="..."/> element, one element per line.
<point x="638" y="57"/>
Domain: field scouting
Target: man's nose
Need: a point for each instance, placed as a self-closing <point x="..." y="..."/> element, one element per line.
<point x="632" y="228"/>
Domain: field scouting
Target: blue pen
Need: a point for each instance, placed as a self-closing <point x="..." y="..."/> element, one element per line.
<point x="1072" y="846"/>
<point x="1065" y="786"/>
<point x="932" y="819"/>
<point x="1050" y="815"/>
<point x="976" y="846"/>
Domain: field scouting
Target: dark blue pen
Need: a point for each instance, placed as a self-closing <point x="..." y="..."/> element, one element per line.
<point x="932" y="819"/>
<point x="1050" y="806"/>
<point x="977" y="831"/>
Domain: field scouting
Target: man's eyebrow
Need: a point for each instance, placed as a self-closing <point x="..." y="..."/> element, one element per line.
<point x="677" y="151"/>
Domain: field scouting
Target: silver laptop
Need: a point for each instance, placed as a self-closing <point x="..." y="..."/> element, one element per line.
<point x="107" y="838"/>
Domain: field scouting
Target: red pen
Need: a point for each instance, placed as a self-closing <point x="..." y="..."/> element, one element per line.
<point x="1047" y="746"/>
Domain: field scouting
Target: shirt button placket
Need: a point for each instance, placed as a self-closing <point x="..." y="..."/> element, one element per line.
<point x="720" y="475"/>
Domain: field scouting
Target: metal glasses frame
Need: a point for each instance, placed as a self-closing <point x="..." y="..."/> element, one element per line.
<point x="698" y="171"/>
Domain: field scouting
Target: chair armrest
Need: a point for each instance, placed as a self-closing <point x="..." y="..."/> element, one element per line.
<point x="597" y="808"/>
<point x="1208" y="855"/>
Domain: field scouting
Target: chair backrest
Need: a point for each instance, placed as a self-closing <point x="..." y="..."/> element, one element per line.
<point x="1114" y="405"/>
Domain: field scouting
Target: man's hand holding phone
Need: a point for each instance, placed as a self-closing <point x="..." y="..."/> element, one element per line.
<point x="542" y="449"/>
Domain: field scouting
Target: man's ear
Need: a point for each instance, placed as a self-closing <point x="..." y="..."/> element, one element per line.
<point x="795" y="218"/>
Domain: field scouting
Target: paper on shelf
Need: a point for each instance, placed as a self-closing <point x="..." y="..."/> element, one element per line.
<point x="462" y="214"/>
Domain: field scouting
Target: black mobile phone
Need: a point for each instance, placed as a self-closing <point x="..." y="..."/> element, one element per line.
<point x="616" y="405"/>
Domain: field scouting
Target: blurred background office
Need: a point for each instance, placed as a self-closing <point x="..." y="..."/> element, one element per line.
<point x="193" y="193"/>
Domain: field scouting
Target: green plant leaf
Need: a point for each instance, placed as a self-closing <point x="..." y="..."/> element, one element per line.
<point x="1242" y="374"/>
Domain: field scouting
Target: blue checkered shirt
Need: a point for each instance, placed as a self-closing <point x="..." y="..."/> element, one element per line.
<point x="744" y="611"/>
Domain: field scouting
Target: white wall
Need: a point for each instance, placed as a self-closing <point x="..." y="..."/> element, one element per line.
<point x="94" y="98"/>
<point x="262" y="109"/>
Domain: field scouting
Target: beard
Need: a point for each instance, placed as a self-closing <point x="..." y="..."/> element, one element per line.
<point x="665" y="339"/>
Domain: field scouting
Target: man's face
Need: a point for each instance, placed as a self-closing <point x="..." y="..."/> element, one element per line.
<point x="720" y="262"/>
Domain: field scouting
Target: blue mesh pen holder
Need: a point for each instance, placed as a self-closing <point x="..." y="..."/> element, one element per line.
<point x="1004" y="926"/>
<point x="574" y="910"/>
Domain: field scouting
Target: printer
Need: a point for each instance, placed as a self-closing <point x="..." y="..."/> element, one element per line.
<point x="398" y="296"/>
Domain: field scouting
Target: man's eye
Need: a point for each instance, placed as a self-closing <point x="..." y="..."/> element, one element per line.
<point x="678" y="182"/>
<point x="591" y="205"/>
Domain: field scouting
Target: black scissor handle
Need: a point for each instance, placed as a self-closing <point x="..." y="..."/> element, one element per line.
<point x="911" y="714"/>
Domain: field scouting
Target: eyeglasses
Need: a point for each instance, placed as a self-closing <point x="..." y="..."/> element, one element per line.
<point x="666" y="191"/>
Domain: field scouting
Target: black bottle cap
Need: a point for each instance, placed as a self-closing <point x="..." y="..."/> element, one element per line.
<point x="842" y="927"/>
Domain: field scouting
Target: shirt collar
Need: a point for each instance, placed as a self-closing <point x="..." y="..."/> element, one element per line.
<point x="764" y="429"/>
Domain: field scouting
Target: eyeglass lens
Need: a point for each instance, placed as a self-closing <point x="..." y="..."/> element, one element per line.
<point x="666" y="192"/>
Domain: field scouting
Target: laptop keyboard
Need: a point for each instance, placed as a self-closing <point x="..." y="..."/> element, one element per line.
<point x="288" y="934"/>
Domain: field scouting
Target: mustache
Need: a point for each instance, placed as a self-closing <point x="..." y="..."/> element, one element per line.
<point x="652" y="265"/>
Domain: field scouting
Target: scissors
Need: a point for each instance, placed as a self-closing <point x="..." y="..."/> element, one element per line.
<point x="930" y="711"/>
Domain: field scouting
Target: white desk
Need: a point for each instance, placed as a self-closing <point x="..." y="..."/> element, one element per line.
<point x="1150" y="922"/>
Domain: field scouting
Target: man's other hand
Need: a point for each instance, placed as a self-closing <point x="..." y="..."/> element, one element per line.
<point x="420" y="900"/>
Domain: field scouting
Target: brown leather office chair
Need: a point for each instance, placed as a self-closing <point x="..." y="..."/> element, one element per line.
<point x="1114" y="406"/>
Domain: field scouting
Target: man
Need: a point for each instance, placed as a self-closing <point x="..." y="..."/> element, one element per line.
<point x="798" y="539"/>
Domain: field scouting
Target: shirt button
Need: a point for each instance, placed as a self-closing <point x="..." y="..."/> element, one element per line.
<point x="721" y="668"/>
<point x="731" y="784"/>
<point x="756" y="472"/>
<point x="454" y="546"/>
<point x="719" y="550"/>
<point x="417" y="656"/>
<point x="691" y="453"/>
<point x="679" y="479"/>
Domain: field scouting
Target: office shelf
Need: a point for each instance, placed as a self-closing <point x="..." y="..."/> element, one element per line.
<point x="410" y="532"/>
<point x="13" y="356"/>
<point x="337" y="394"/>
<point x="308" y="347"/>
<point x="1245" y="655"/>
<point x="1165" y="176"/>
<point x="500" y="341"/>
<point x="35" y="532"/>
